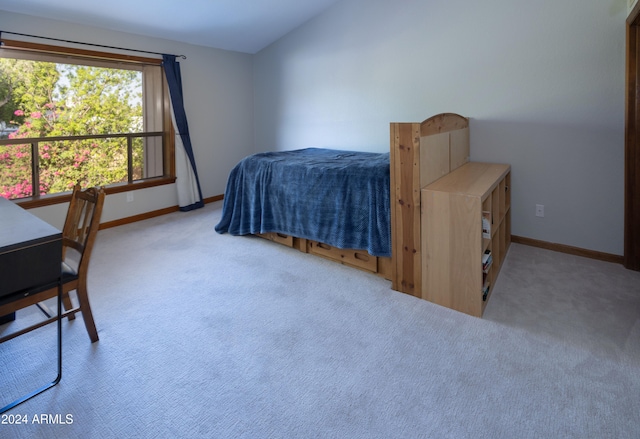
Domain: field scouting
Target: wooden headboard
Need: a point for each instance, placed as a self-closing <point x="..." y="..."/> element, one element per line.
<point x="420" y="153"/>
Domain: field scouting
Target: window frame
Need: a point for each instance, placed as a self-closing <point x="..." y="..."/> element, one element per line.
<point x="169" y="175"/>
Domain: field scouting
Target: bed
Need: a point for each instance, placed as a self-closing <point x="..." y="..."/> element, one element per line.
<point x="358" y="208"/>
<point x="340" y="198"/>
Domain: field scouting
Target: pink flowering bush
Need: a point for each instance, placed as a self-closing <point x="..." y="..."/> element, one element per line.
<point x="42" y="110"/>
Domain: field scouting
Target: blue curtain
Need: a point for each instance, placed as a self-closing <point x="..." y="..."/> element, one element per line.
<point x="189" y="192"/>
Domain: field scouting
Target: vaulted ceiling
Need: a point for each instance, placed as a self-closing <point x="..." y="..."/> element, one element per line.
<point x="239" y="25"/>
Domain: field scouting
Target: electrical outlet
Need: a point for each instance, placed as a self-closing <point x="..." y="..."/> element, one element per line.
<point x="129" y="197"/>
<point x="540" y="210"/>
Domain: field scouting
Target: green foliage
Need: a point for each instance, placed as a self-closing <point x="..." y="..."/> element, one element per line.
<point x="54" y="100"/>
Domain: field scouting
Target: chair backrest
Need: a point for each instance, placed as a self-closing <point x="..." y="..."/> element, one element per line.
<point x="82" y="223"/>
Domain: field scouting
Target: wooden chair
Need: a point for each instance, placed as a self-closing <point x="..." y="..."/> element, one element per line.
<point x="78" y="236"/>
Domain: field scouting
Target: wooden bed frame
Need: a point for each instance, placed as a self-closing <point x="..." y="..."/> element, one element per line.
<point x="420" y="153"/>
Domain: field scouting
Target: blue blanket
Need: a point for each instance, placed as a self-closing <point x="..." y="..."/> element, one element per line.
<point x="340" y="198"/>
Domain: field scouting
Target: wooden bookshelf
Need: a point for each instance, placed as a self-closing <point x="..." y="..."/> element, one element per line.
<point x="452" y="235"/>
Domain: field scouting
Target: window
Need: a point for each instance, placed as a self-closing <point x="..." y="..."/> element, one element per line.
<point x="70" y="115"/>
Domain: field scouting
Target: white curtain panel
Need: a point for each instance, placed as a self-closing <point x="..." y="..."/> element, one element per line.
<point x="186" y="183"/>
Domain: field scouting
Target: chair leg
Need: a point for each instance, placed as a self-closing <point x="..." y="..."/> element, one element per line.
<point x="87" y="315"/>
<point x="66" y="302"/>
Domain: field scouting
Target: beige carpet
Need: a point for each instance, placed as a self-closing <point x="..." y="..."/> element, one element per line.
<point x="213" y="336"/>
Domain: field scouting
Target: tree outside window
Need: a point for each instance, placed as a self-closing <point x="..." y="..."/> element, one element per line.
<point x="55" y="103"/>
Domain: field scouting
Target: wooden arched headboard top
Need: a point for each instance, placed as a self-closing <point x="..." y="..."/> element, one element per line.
<point x="443" y="122"/>
<point x="444" y="146"/>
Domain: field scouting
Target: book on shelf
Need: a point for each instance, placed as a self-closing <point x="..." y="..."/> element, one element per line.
<point x="487" y="260"/>
<point x="486" y="224"/>
<point x="485" y="290"/>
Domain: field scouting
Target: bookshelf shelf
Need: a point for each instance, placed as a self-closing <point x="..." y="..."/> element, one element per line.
<point x="467" y="219"/>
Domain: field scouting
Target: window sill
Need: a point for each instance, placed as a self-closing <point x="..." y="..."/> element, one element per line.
<point x="48" y="200"/>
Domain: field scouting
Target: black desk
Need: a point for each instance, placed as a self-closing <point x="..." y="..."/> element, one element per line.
<point x="30" y="250"/>
<point x="30" y="256"/>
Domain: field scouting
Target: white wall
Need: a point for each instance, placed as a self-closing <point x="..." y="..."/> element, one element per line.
<point x="218" y="96"/>
<point x="542" y="81"/>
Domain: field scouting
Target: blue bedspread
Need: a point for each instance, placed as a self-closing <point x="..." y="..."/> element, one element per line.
<point x="340" y="198"/>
